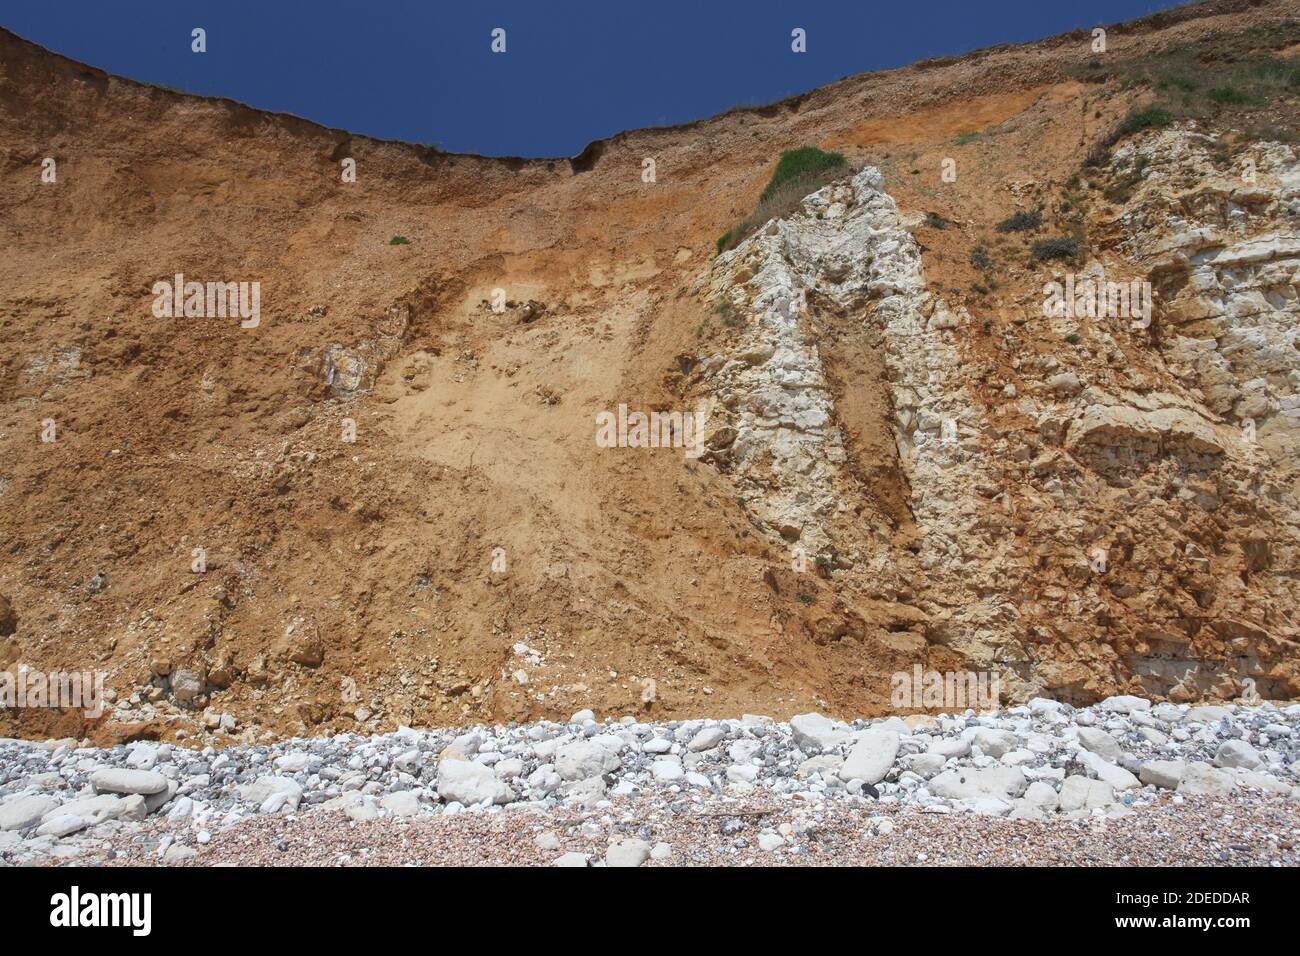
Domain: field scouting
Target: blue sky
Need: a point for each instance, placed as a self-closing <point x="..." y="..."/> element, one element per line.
<point x="573" y="70"/>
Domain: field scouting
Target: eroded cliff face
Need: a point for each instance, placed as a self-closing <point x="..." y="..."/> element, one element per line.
<point x="396" y="479"/>
<point x="1121" y="521"/>
<point x="1219" y="239"/>
<point x="1148" y="457"/>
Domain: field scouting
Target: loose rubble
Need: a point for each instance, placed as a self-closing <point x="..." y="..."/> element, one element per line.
<point x="1042" y="762"/>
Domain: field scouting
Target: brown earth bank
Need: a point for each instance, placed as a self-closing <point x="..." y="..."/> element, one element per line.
<point x="391" y="486"/>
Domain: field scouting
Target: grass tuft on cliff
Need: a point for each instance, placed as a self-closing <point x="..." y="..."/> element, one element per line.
<point x="799" y="172"/>
<point x="804" y="163"/>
